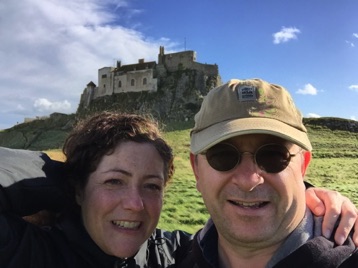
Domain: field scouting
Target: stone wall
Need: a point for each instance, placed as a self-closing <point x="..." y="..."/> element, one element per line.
<point x="135" y="81"/>
<point x="143" y="76"/>
<point x="177" y="98"/>
<point x="333" y="123"/>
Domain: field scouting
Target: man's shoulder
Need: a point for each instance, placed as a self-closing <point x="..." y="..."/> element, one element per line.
<point x="321" y="252"/>
<point x="193" y="257"/>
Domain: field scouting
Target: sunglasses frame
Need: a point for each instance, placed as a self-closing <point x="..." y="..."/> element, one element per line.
<point x="288" y="160"/>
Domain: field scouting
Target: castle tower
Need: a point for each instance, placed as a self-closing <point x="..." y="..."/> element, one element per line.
<point x="161" y="55"/>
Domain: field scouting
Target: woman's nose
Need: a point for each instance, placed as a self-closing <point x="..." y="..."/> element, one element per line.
<point x="133" y="200"/>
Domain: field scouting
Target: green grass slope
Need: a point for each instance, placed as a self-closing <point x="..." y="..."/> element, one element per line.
<point x="42" y="134"/>
<point x="334" y="166"/>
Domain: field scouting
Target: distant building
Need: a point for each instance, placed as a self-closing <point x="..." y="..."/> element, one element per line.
<point x="142" y="76"/>
<point x="31" y="119"/>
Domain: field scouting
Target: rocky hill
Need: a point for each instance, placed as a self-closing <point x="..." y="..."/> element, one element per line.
<point x="333" y="123"/>
<point x="177" y="99"/>
<point x="50" y="133"/>
<point x="42" y="134"/>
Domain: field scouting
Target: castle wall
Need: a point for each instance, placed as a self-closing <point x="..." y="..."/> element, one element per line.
<point x="105" y="82"/>
<point x="143" y="75"/>
<point x="85" y="97"/>
<point x="135" y="81"/>
<point x="185" y="60"/>
<point x="88" y="93"/>
<point x="209" y="69"/>
<point x="173" y="60"/>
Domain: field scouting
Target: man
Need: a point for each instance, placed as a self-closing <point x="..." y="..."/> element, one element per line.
<point x="249" y="154"/>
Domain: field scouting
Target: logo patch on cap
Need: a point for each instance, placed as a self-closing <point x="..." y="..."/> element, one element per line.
<point x="247" y="93"/>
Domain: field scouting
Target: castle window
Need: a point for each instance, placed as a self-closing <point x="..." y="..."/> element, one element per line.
<point x="120" y="83"/>
<point x="132" y="82"/>
<point x="144" y="81"/>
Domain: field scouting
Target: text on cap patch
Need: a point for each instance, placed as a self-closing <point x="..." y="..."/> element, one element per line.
<point x="247" y="93"/>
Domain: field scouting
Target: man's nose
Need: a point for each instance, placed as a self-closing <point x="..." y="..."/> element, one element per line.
<point x="246" y="174"/>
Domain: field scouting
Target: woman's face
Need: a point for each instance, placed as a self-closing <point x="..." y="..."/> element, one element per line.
<point x="122" y="200"/>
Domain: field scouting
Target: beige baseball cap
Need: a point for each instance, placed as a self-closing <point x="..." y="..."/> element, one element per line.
<point x="242" y="107"/>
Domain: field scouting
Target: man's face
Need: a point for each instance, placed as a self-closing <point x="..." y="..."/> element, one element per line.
<point x="250" y="207"/>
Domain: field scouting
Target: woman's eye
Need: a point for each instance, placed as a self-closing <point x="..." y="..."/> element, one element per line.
<point x="154" y="187"/>
<point x="113" y="182"/>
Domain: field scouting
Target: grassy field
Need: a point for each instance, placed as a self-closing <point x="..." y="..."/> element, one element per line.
<point x="334" y="166"/>
<point x="56" y="154"/>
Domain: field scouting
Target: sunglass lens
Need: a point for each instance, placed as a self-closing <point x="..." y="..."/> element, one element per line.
<point x="222" y="157"/>
<point x="273" y="158"/>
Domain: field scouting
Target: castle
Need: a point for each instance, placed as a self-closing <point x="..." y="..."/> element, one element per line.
<point x="143" y="76"/>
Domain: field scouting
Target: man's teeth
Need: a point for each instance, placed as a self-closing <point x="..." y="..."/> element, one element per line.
<point x="127" y="224"/>
<point x="249" y="204"/>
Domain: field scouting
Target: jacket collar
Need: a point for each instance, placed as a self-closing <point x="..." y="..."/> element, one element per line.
<point x="77" y="235"/>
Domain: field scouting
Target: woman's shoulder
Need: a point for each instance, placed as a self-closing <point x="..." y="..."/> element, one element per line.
<point x="172" y="236"/>
<point x="177" y="241"/>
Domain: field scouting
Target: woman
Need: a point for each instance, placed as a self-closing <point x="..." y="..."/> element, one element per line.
<point x="117" y="167"/>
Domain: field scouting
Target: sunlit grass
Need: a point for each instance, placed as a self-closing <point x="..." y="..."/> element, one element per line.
<point x="56" y="155"/>
<point x="334" y="166"/>
<point x="340" y="174"/>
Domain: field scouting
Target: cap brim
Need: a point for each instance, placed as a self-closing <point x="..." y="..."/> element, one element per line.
<point x="206" y="138"/>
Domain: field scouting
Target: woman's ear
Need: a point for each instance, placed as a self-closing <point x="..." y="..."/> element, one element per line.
<point x="79" y="196"/>
<point x="307" y="156"/>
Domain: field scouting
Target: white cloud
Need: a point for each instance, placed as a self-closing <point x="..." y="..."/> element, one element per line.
<point x="354" y="88"/>
<point x="351" y="44"/>
<point x="50" y="50"/>
<point x="353" y="118"/>
<point x="285" y="35"/>
<point x="19" y="107"/>
<point x="313" y="115"/>
<point x="308" y="89"/>
<point x="42" y="105"/>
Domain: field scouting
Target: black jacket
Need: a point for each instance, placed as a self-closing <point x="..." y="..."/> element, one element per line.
<point x="318" y="252"/>
<point x="30" y="182"/>
<point x="68" y="245"/>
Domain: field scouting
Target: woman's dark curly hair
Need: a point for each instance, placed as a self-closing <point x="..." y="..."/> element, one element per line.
<point x="97" y="136"/>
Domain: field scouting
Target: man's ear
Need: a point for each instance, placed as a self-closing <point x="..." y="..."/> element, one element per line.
<point x="194" y="166"/>
<point x="307" y="156"/>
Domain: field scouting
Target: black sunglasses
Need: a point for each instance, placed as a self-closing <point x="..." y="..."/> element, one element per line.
<point x="271" y="158"/>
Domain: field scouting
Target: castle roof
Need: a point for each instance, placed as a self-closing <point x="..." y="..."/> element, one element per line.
<point x="91" y="84"/>
<point x="136" y="67"/>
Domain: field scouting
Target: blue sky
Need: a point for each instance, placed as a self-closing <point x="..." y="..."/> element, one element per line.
<point x="50" y="50"/>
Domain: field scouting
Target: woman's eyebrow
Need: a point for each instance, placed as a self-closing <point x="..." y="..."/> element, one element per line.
<point x="118" y="170"/>
<point x="127" y="173"/>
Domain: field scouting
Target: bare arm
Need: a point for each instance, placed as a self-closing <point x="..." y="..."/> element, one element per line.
<point x="333" y="207"/>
